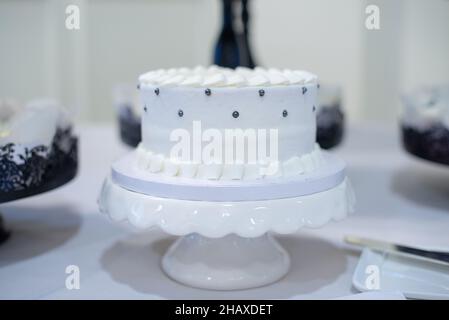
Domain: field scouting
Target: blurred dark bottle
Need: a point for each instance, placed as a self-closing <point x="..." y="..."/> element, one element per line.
<point x="232" y="48"/>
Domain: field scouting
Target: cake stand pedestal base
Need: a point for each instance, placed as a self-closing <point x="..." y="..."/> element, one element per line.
<point x="4" y="234"/>
<point x="228" y="263"/>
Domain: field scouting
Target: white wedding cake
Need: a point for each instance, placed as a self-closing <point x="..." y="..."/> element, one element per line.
<point x="207" y="111"/>
<point x="227" y="155"/>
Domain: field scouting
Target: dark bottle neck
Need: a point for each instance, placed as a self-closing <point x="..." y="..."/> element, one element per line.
<point x="228" y="15"/>
<point x="245" y="16"/>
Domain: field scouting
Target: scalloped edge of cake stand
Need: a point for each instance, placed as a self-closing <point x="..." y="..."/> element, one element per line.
<point x="215" y="219"/>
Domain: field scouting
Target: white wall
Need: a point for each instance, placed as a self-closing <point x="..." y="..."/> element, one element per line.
<point x="410" y="50"/>
<point x="425" y="45"/>
<point x="26" y="57"/>
<point x="120" y="39"/>
<point x="322" y="36"/>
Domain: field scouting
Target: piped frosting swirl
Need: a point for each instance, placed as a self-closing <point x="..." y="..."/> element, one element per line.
<point x="215" y="76"/>
<point x="159" y="164"/>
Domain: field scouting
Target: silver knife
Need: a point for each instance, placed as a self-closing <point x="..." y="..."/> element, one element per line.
<point x="378" y="245"/>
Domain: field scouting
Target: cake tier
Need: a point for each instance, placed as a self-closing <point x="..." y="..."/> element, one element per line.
<point x="431" y="144"/>
<point x="32" y="124"/>
<point x="207" y="104"/>
<point x="426" y="108"/>
<point x="330" y="126"/>
<point x="38" y="150"/>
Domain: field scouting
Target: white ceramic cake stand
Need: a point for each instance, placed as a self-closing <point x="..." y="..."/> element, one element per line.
<point x="226" y="226"/>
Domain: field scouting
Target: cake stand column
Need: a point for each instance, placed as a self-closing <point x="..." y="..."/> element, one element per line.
<point x="228" y="263"/>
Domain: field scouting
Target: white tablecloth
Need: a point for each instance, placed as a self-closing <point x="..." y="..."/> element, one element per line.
<point x="399" y="198"/>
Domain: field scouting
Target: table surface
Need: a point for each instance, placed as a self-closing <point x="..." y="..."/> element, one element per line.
<point x="399" y="198"/>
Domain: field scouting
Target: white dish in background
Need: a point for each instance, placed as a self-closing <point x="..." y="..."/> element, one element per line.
<point x="415" y="278"/>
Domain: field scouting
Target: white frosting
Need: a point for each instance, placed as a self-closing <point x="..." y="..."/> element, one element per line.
<point x="158" y="163"/>
<point x="215" y="76"/>
<point x="34" y="124"/>
<point x="426" y="107"/>
<point x="210" y="97"/>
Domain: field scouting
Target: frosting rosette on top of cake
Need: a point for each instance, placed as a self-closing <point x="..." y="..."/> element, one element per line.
<point x="215" y="76"/>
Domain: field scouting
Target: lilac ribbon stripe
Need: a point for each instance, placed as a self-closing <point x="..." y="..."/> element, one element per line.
<point x="126" y="174"/>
